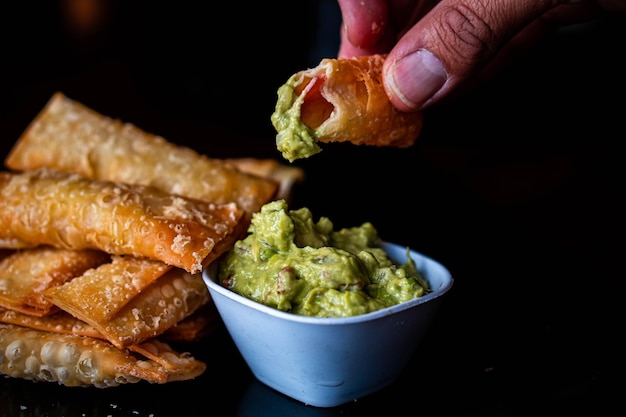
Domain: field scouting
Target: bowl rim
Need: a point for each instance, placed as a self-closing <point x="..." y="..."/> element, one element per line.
<point x="420" y="259"/>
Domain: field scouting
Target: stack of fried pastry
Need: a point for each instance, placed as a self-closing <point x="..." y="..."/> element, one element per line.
<point x="104" y="232"/>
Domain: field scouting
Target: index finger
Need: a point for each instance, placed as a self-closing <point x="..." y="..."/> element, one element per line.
<point x="374" y="26"/>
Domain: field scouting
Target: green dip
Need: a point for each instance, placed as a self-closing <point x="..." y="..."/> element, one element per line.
<point x="291" y="263"/>
<point x="294" y="139"/>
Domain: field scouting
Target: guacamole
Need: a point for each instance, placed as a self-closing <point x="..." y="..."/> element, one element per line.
<point x="294" y="264"/>
<point x="294" y="139"/>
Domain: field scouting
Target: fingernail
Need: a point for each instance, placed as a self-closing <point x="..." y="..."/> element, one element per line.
<point x="416" y="78"/>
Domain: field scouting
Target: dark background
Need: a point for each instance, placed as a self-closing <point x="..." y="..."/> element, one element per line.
<point x="517" y="187"/>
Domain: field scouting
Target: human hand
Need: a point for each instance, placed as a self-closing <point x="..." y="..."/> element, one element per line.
<point x="437" y="47"/>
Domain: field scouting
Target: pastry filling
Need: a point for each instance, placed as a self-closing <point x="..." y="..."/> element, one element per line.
<point x="315" y="109"/>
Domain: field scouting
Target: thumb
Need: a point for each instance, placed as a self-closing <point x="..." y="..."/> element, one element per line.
<point x="448" y="45"/>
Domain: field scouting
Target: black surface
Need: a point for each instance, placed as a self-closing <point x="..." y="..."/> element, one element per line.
<point x="516" y="187"/>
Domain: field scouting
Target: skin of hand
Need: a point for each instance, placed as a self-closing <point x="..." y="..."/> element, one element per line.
<point x="437" y="47"/>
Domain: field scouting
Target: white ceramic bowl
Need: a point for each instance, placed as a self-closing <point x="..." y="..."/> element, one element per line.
<point x="325" y="362"/>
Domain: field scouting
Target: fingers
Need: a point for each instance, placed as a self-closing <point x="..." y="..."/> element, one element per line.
<point x="348" y="50"/>
<point x="374" y="26"/>
<point x="450" y="44"/>
<point x="364" y="23"/>
<point x="441" y="46"/>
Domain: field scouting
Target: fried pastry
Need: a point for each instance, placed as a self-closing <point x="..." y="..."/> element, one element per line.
<point x="286" y="176"/>
<point x="193" y="328"/>
<point x="57" y="322"/>
<point x="73" y="360"/>
<point x="190" y="329"/>
<point x="168" y="300"/>
<point x="26" y="274"/>
<point x="102" y="292"/>
<point x="340" y="100"/>
<point x="45" y="207"/>
<point x="107" y="149"/>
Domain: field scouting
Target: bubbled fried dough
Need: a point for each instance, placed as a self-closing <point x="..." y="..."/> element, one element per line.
<point x="191" y="329"/>
<point x="168" y="300"/>
<point x="107" y="149"/>
<point x="46" y="207"/>
<point x="58" y="322"/>
<point x="26" y="274"/>
<point x="100" y="293"/>
<point x="84" y="361"/>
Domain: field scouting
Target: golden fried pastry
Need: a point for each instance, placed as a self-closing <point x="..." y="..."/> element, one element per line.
<point x="106" y="149"/>
<point x="58" y="322"/>
<point x="190" y="329"/>
<point x="73" y="360"/>
<point x="102" y="292"/>
<point x="193" y="328"/>
<point x="286" y="176"/>
<point x="156" y="213"/>
<point x="176" y="366"/>
<point x="45" y="207"/>
<point x="168" y="300"/>
<point x="26" y="274"/>
<point x="340" y="100"/>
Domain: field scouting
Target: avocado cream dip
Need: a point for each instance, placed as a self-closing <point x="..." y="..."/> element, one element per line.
<point x="291" y="263"/>
<point x="294" y="139"/>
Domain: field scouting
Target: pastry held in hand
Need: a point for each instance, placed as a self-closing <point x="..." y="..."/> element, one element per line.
<point x="340" y="100"/>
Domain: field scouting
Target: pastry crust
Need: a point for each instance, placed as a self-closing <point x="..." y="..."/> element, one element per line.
<point x="100" y="293"/>
<point x="286" y="176"/>
<point x="168" y="300"/>
<point x="45" y="207"/>
<point x="154" y="213"/>
<point x="58" y="322"/>
<point x="106" y="149"/>
<point x="340" y="100"/>
<point x="193" y="328"/>
<point x="26" y="274"/>
<point x="73" y="360"/>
